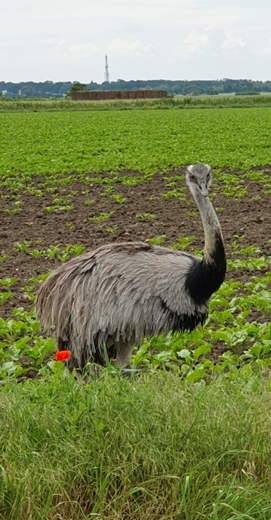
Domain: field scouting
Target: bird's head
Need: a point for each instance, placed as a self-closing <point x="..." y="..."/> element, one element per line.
<point x="199" y="177"/>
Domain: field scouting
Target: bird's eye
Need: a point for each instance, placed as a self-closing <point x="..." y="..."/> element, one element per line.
<point x="193" y="178"/>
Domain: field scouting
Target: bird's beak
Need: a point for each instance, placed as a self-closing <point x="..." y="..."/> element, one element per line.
<point x="204" y="189"/>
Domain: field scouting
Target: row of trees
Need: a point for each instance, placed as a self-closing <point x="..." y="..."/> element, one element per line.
<point x="50" y="89"/>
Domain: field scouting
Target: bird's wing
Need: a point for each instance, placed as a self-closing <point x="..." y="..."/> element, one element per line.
<point x="138" y="279"/>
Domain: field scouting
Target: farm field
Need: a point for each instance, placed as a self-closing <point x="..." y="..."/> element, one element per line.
<point x="71" y="182"/>
<point x="74" y="181"/>
<point x="141" y="141"/>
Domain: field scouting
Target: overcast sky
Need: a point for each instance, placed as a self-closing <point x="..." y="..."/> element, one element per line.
<point x="66" y="40"/>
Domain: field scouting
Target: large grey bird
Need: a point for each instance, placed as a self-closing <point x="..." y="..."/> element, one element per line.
<point x="113" y="297"/>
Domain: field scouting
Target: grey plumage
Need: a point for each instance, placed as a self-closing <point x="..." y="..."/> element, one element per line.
<point x="118" y="294"/>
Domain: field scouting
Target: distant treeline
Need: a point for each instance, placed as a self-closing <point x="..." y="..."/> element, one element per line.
<point x="50" y="89"/>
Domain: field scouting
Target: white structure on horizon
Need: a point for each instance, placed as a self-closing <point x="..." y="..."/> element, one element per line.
<point x="106" y="73"/>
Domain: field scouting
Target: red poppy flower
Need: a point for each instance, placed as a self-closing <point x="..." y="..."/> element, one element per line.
<point x="62" y="355"/>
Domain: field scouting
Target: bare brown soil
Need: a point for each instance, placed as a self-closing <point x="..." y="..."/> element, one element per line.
<point x="172" y="218"/>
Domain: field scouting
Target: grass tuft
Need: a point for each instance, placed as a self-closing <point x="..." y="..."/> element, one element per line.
<point x="148" y="447"/>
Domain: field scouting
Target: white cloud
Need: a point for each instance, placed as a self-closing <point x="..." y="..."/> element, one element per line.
<point x="120" y="46"/>
<point x="194" y="43"/>
<point x="232" y="43"/>
<point x="116" y="47"/>
<point x="267" y="49"/>
<point x="84" y="50"/>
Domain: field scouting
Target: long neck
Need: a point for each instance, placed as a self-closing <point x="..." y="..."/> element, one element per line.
<point x="213" y="241"/>
<point x="205" y="277"/>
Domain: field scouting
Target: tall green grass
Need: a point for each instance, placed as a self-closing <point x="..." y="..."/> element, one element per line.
<point x="182" y="102"/>
<point x="144" y="448"/>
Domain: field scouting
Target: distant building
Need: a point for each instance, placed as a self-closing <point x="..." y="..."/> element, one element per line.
<point x="100" y="95"/>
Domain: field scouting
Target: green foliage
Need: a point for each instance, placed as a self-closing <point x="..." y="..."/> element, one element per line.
<point x="77" y="86"/>
<point x="118" y="198"/>
<point x="4" y="296"/>
<point x="103" y="216"/>
<point x="57" y="207"/>
<point x="146" y="447"/>
<point x="53" y="251"/>
<point x="183" y="243"/>
<point x="19" y="339"/>
<point x="8" y="282"/>
<point x="175" y="194"/>
<point x="111" y="229"/>
<point x="146" y="216"/>
<point x="139" y="141"/>
<point x="183" y="102"/>
<point x="159" y="241"/>
<point x="51" y="89"/>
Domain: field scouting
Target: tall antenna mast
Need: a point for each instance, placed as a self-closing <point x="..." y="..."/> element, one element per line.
<point x="106" y="74"/>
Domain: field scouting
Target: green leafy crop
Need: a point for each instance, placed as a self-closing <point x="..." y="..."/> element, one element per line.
<point x="139" y="141"/>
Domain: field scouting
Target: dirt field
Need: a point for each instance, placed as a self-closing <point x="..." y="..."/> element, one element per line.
<point x="251" y="218"/>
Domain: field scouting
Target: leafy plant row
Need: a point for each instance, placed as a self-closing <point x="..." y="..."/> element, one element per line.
<point x="50" y="144"/>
